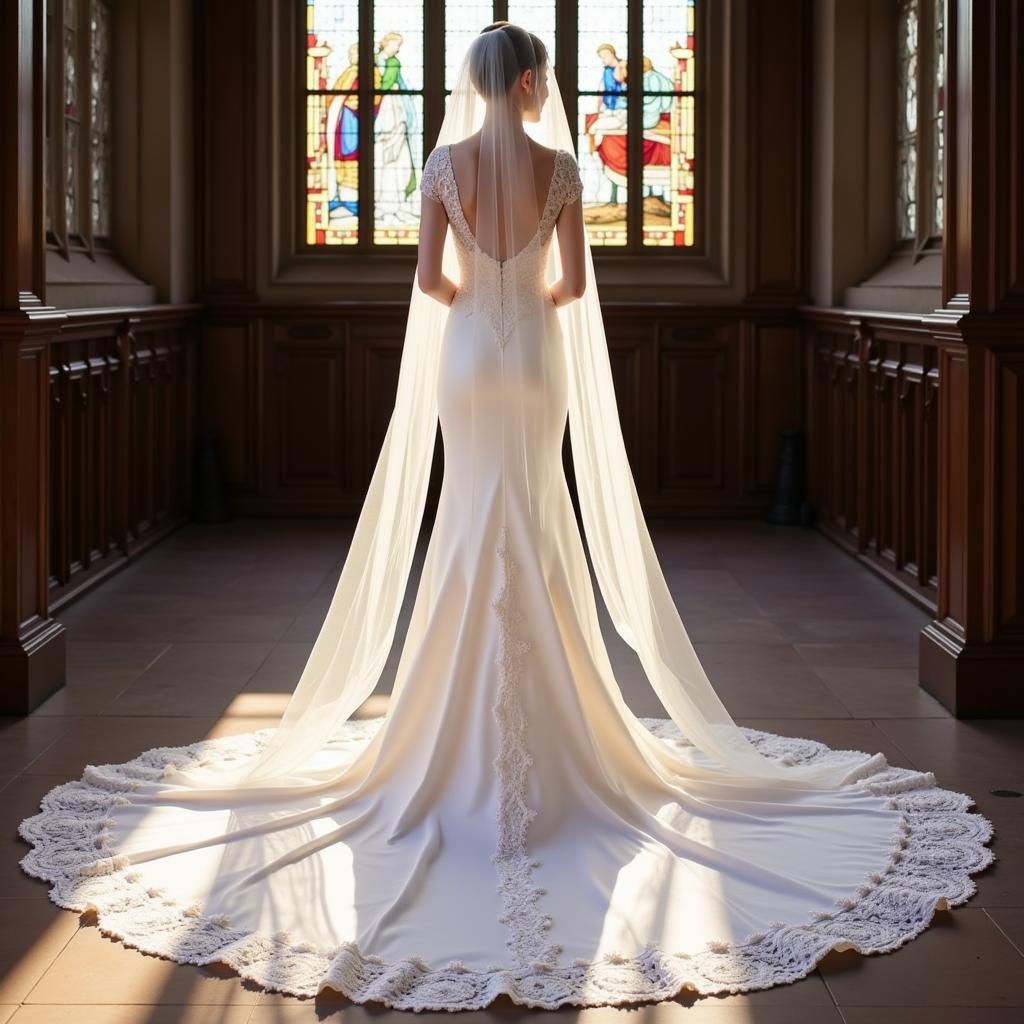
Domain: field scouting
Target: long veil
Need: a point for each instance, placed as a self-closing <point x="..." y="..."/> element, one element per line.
<point x="354" y="642"/>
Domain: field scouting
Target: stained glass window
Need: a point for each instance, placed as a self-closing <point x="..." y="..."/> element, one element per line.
<point x="920" y="121"/>
<point x="938" y="116"/>
<point x="79" y="137"/>
<point x="670" y="85"/>
<point x="416" y="48"/>
<point x="332" y="122"/>
<point x="906" y="128"/>
<point x="603" y="134"/>
<point x="99" y="120"/>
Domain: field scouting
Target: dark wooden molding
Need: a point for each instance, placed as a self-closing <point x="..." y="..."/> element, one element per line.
<point x="31" y="642"/>
<point x="778" y="103"/>
<point x="872" y="381"/>
<point x="972" y="653"/>
<point x="227" y="109"/>
<point x="122" y="415"/>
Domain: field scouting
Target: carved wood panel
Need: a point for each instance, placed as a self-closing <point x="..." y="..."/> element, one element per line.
<point x="120" y="442"/>
<point x="874" y="444"/>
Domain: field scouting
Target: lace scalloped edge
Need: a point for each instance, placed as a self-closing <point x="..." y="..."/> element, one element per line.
<point x="939" y="846"/>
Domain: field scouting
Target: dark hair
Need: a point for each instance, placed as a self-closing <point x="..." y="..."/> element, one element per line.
<point x="527" y="52"/>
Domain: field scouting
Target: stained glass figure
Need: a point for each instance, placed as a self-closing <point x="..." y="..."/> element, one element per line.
<point x="669" y="130"/>
<point x="332" y="122"/>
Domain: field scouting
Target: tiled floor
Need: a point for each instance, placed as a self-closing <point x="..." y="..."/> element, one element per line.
<point x="205" y="634"/>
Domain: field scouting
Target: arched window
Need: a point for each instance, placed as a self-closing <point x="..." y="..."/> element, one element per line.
<point x="919" y="123"/>
<point x="638" y="159"/>
<point x="78" y="137"/>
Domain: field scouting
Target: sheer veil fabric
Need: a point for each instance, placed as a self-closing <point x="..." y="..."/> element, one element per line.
<point x="509" y="826"/>
<point x="353" y="644"/>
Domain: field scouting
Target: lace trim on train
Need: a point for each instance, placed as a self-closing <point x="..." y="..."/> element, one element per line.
<point x="527" y="941"/>
<point x="939" y="846"/>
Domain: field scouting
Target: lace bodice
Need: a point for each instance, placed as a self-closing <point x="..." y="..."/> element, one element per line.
<point x="504" y="291"/>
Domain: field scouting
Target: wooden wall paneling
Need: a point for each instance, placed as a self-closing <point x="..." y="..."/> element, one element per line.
<point x="311" y="424"/>
<point x="122" y="424"/>
<point x="230" y="397"/>
<point x="771" y="398"/>
<point x="972" y="654"/>
<point x="873" y="444"/>
<point x="699" y="421"/>
<point x="32" y="658"/>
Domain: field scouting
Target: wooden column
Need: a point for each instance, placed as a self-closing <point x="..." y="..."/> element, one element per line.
<point x="972" y="653"/>
<point x="31" y="643"/>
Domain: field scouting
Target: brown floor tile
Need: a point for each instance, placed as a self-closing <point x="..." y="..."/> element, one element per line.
<point x="1010" y="921"/>
<point x="767" y="679"/>
<point x="198" y="679"/>
<point x="931" y="1015"/>
<point x="34" y="933"/>
<point x="89" y="691"/>
<point x="881" y="692"/>
<point x="114" y="740"/>
<point x="988" y="750"/>
<point x="93" y="968"/>
<point x="96" y="654"/>
<point x="869" y="653"/>
<point x="281" y="670"/>
<point x="236" y="627"/>
<point x="132" y="1014"/>
<point x="23" y="740"/>
<point x="706" y="1010"/>
<point x="961" y="959"/>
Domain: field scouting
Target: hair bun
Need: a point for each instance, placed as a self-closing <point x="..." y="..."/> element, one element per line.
<point x="526" y="51"/>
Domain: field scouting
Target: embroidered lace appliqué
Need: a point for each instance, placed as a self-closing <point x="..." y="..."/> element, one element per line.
<point x="527" y="941"/>
<point x="940" y="845"/>
<point x="503" y="291"/>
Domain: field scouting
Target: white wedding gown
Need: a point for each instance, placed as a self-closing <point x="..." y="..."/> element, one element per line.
<point x="509" y="826"/>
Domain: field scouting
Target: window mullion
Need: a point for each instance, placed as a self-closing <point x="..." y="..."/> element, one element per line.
<point x="634" y="126"/>
<point x="59" y="166"/>
<point x="433" y="74"/>
<point x="85" y="158"/>
<point x="925" y="66"/>
<point x="366" y="141"/>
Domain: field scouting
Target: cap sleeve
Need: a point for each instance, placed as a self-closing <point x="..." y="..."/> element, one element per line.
<point x="574" y="180"/>
<point x="430" y="180"/>
<point x="570" y="184"/>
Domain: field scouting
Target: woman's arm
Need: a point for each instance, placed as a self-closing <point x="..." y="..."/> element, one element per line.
<point x="433" y="228"/>
<point x="571" y="242"/>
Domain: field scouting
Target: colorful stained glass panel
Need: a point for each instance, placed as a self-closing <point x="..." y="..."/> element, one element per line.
<point x="462" y="22"/>
<point x="602" y="47"/>
<point x="906" y="132"/>
<point x="669" y="111"/>
<point x="332" y="169"/>
<point x="539" y="17"/>
<point x="332" y="122"/>
<point x="99" y="97"/>
<point x="397" y="160"/>
<point x="603" y="154"/>
<point x="939" y="117"/>
<point x="397" y="44"/>
<point x="332" y="44"/>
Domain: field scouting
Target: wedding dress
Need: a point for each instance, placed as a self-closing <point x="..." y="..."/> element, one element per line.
<point x="509" y="826"/>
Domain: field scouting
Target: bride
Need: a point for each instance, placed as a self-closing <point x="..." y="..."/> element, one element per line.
<point x="509" y="826"/>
